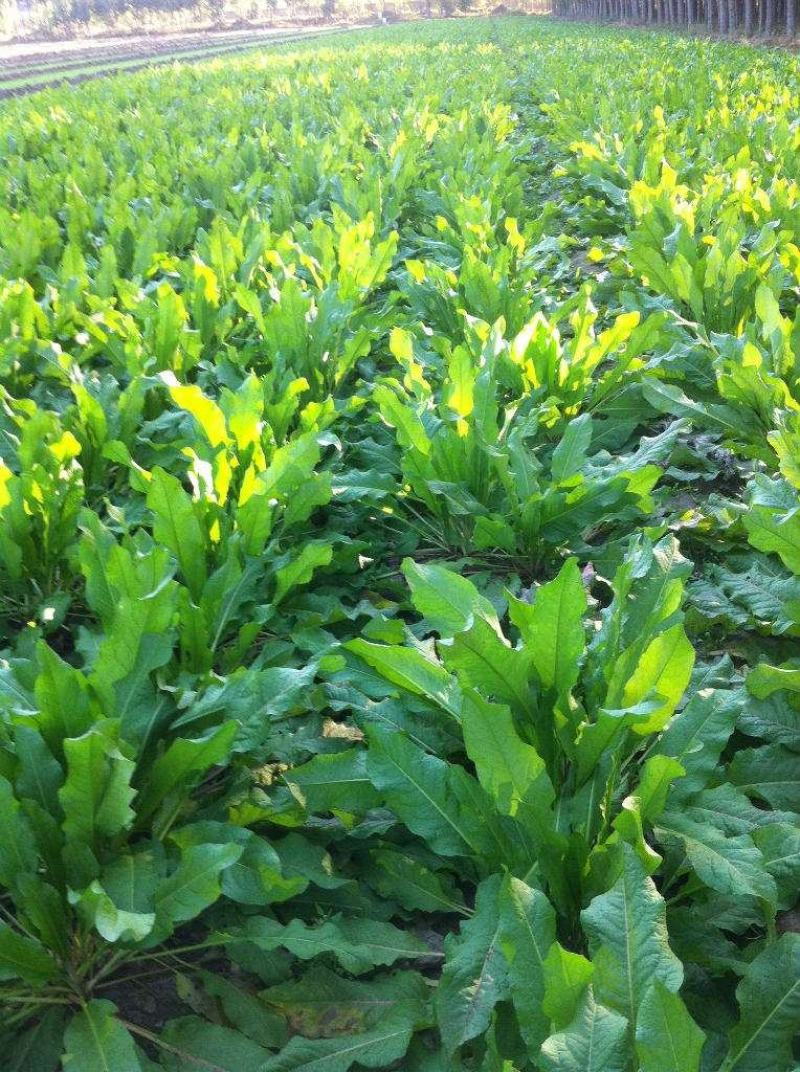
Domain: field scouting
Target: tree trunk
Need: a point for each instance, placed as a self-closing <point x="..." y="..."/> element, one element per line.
<point x="791" y="18"/>
<point x="769" y="17"/>
<point x="723" y="16"/>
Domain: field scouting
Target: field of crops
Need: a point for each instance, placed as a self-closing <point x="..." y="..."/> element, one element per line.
<point x="29" y="69"/>
<point x="400" y="559"/>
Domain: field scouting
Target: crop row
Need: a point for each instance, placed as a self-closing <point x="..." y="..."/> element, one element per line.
<point x="25" y="77"/>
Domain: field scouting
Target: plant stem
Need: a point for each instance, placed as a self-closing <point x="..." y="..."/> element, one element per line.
<point x="222" y="940"/>
<point x="34" y="1000"/>
<point x="14" y="922"/>
<point x="107" y="968"/>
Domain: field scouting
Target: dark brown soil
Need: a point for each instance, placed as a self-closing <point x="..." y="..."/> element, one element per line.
<point x="149" y="1002"/>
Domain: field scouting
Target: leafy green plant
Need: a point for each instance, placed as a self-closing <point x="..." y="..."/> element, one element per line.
<point x="399" y="559"/>
<point x="575" y="776"/>
<point x="492" y="445"/>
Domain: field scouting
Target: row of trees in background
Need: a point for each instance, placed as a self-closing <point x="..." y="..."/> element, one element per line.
<point x="26" y="17"/>
<point x="750" y="17"/>
<point x="37" y="16"/>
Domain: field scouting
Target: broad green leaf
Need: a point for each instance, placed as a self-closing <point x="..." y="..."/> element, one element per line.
<point x="729" y="810"/>
<point x="770" y="773"/>
<point x="594" y="1041"/>
<point x="663" y="671"/>
<point x="176" y="526"/>
<point x="771" y="527"/>
<point x="445" y="599"/>
<point x="553" y="629"/>
<point x="629" y="827"/>
<point x="182" y="764"/>
<point x="98" y="910"/>
<point x="648" y="590"/>
<point x="138" y="642"/>
<point x="194" y="884"/>
<point x="494" y="839"/>
<point x="45" y="912"/>
<point x="697" y="735"/>
<point x="776" y="720"/>
<point x="658" y="775"/>
<point x="667" y="1038"/>
<point x="39" y="775"/>
<point x="510" y="770"/>
<point x="418" y="787"/>
<point x="121" y="904"/>
<point x="301" y="858"/>
<point x="252" y="698"/>
<point x="96" y="795"/>
<point x="353" y="485"/>
<point x="460" y="387"/>
<point x="23" y="958"/>
<point x="334" y="783"/>
<point x="785" y="441"/>
<point x="259" y="876"/>
<point x="627" y="933"/>
<point x="401" y="878"/>
<point x="16" y="697"/>
<point x="644" y="806"/>
<point x="410" y="670"/>
<point x="410" y="429"/>
<point x="769" y="1000"/>
<point x="596" y="738"/>
<point x="483" y="661"/>
<point x="130" y="879"/>
<point x="475" y="975"/>
<point x="64" y="701"/>
<point x="358" y="944"/>
<point x="300" y="569"/>
<point x="228" y="590"/>
<point x="246" y="1011"/>
<point x="667" y="398"/>
<point x="566" y="976"/>
<point x="95" y="1041"/>
<point x="207" y="413"/>
<point x="569" y="455"/>
<point x="763" y="680"/>
<point x="731" y="865"/>
<point x="18" y="854"/>
<point x="527" y="933"/>
<point x="39" y="1048"/>
<point x="323" y="1004"/>
<point x="779" y="845"/>
<point x="211" y="1044"/>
